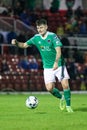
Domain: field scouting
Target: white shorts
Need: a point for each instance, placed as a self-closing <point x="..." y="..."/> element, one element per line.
<point x="50" y="74"/>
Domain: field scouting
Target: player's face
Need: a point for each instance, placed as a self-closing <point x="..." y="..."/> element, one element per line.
<point x="42" y="29"/>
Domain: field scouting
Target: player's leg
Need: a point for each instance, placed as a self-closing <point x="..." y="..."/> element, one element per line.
<point x="63" y="77"/>
<point x="67" y="94"/>
<point x="49" y="79"/>
<point x="54" y="91"/>
<point x="66" y="88"/>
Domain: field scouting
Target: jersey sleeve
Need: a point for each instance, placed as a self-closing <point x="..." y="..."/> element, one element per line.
<point x="31" y="41"/>
<point x="56" y="41"/>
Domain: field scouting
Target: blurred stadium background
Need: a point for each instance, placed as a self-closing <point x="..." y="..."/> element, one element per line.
<point x="67" y="18"/>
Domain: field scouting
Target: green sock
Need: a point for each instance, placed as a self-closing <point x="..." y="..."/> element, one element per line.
<point x="55" y="92"/>
<point x="67" y="96"/>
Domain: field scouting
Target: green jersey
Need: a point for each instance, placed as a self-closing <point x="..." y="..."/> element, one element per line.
<point x="46" y="47"/>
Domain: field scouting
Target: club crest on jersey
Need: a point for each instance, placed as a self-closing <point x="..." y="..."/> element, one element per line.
<point x="49" y="40"/>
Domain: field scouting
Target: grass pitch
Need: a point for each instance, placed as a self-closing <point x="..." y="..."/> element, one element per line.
<point x="14" y="115"/>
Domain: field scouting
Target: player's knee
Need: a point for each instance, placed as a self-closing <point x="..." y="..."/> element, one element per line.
<point x="49" y="87"/>
<point x="65" y="84"/>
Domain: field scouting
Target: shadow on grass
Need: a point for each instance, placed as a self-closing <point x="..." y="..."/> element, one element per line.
<point x="83" y="109"/>
<point x="41" y="112"/>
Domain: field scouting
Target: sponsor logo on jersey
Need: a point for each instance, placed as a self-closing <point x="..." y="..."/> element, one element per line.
<point x="42" y="47"/>
<point x="45" y="48"/>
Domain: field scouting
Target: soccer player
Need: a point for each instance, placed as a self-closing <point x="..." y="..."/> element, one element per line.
<point x="49" y="47"/>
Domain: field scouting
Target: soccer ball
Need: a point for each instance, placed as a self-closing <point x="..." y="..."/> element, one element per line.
<point x="32" y="102"/>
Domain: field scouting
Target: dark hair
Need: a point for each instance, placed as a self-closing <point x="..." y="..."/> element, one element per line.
<point x="41" y="21"/>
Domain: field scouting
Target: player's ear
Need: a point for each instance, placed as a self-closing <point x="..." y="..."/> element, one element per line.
<point x="46" y="27"/>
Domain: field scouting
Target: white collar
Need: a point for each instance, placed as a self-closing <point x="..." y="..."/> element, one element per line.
<point x="45" y="36"/>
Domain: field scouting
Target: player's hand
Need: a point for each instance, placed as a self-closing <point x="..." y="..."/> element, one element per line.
<point x="55" y="66"/>
<point x="13" y="42"/>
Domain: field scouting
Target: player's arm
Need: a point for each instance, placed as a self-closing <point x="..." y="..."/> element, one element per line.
<point x="19" y="44"/>
<point x="58" y="55"/>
